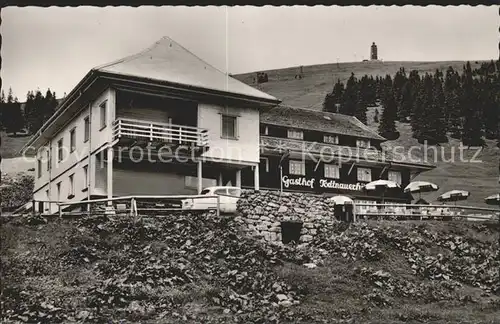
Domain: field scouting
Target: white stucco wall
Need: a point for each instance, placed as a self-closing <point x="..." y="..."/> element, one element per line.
<point x="243" y="149"/>
<point x="73" y="162"/>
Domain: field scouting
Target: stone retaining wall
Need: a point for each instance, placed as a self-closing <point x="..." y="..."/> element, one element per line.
<point x="261" y="213"/>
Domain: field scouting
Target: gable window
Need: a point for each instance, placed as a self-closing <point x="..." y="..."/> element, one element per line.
<point x="363" y="143"/>
<point x="72" y="139"/>
<point x="297" y="167"/>
<point x="39" y="167"/>
<point x="295" y="134"/>
<point x="332" y="171"/>
<point x="60" y="150"/>
<point x="331" y="139"/>
<point x="71" y="192"/>
<point x="102" y="109"/>
<point x="229" y="129"/>
<point x="85" y="176"/>
<point x="86" y="132"/>
<point x="364" y="174"/>
<point x="395" y="176"/>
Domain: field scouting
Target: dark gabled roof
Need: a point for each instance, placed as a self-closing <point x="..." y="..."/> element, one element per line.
<point x="167" y="61"/>
<point x="317" y="120"/>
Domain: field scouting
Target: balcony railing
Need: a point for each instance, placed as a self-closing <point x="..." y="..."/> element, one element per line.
<point x="326" y="150"/>
<point x="159" y="132"/>
<point x="284" y="144"/>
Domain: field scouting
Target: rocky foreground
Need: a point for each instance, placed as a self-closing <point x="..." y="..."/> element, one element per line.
<point x="198" y="268"/>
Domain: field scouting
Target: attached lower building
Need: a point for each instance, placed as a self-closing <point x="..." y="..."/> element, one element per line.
<point x="331" y="154"/>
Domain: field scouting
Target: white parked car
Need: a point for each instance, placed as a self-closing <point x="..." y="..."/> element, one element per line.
<point x="228" y="199"/>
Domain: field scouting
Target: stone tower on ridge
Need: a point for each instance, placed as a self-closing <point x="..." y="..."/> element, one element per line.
<point x="373" y="52"/>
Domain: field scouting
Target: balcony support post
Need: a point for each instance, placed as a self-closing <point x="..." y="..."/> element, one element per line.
<point x="109" y="174"/>
<point x="200" y="176"/>
<point x="256" y="177"/>
<point x="238" y="178"/>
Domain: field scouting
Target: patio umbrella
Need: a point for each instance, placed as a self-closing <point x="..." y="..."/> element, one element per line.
<point x="454" y="195"/>
<point x="493" y="200"/>
<point x="421" y="186"/>
<point x="341" y="200"/>
<point x="381" y="185"/>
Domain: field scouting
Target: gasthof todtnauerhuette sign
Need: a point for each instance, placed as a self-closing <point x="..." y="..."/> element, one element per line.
<point x="322" y="183"/>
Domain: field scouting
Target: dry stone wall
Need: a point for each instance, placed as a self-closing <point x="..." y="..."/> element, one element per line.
<point x="261" y="214"/>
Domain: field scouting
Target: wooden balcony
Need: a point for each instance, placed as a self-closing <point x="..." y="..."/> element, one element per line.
<point x="139" y="132"/>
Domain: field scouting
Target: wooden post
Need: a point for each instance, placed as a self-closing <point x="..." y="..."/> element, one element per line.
<point x="33" y="207"/>
<point x="109" y="174"/>
<point x="218" y="205"/>
<point x="256" y="177"/>
<point x="60" y="210"/>
<point x="238" y="178"/>
<point x="200" y="176"/>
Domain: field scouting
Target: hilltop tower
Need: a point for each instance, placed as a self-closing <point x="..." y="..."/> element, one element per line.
<point x="373" y="52"/>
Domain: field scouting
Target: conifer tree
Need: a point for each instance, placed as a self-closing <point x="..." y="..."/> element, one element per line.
<point x="349" y="105"/>
<point x="472" y="129"/>
<point x="12" y="114"/>
<point x="453" y="112"/>
<point x="387" y="127"/>
<point x="334" y="98"/>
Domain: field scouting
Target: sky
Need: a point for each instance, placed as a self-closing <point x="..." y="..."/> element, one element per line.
<point x="55" y="47"/>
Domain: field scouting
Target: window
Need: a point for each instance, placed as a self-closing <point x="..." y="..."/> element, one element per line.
<point x="296" y="134"/>
<point x="39" y="167"/>
<point x="332" y="171"/>
<point x="395" y="176"/>
<point x="86" y="133"/>
<point x="229" y="126"/>
<point x="102" y="108"/>
<point x="60" y="153"/>
<point x="72" y="139"/>
<point x="331" y="139"/>
<point x="71" y="192"/>
<point x="363" y="143"/>
<point x="58" y="191"/>
<point x="220" y="191"/>
<point x="234" y="192"/>
<point x="364" y="174"/>
<point x="85" y="177"/>
<point x="297" y="167"/>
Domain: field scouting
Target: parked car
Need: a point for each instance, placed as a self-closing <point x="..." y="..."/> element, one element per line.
<point x="228" y="199"/>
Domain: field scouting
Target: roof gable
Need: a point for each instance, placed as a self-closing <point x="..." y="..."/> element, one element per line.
<point x="168" y="61"/>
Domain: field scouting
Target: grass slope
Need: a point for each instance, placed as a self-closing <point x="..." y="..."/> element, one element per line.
<point x="480" y="178"/>
<point x="318" y="80"/>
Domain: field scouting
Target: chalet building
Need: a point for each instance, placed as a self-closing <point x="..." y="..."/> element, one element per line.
<point x="164" y="122"/>
<point x="328" y="153"/>
<point x="155" y="123"/>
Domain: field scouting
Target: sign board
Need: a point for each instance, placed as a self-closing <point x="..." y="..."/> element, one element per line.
<point x="323" y="183"/>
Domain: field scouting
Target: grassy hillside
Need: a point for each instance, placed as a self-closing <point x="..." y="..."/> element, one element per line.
<point x="318" y="80"/>
<point x="476" y="172"/>
<point x="480" y="178"/>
